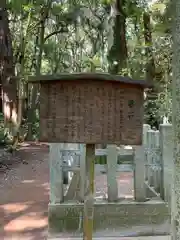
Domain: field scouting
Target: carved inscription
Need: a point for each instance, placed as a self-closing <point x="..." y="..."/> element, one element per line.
<point x="91" y="112"/>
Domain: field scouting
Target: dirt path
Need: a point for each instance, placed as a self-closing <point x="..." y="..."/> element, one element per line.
<point x="24" y="195"/>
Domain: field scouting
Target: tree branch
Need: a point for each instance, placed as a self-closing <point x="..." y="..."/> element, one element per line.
<point x="55" y="32"/>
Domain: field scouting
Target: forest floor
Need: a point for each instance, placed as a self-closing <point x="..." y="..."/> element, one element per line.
<point x="24" y="193"/>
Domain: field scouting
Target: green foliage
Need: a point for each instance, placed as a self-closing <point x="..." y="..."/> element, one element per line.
<point x="78" y="36"/>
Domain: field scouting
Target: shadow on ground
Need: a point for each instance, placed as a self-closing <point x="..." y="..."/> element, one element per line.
<point x="24" y="191"/>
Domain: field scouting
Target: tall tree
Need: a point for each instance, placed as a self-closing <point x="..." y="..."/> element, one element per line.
<point x="176" y="122"/>
<point x="9" y="89"/>
<point x="44" y="14"/>
<point x="118" y="52"/>
<point x="151" y="107"/>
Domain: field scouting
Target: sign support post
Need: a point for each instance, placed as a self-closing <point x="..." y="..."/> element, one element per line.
<point x="89" y="192"/>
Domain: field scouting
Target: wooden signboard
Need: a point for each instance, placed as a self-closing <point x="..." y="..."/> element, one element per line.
<point x="90" y="108"/>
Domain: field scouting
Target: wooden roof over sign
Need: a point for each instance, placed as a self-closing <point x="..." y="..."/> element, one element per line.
<point x="87" y="76"/>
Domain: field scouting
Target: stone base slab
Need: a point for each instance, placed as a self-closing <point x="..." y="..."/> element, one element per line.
<point x="68" y="217"/>
<point x="120" y="238"/>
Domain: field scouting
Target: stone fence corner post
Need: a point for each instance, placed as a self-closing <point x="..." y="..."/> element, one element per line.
<point x="166" y="152"/>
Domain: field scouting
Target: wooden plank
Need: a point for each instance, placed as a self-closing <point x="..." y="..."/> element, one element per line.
<point x="56" y="173"/>
<point x="111" y="173"/>
<point x="79" y="122"/>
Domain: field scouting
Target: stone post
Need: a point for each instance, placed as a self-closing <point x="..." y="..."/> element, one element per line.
<point x="156" y="162"/>
<point x="139" y="174"/>
<point x="166" y="148"/>
<point x="56" y="173"/>
<point x="112" y="155"/>
<point x="140" y="171"/>
<point x="146" y="128"/>
<point x="150" y="145"/>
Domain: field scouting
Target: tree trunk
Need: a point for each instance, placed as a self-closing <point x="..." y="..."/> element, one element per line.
<point x="151" y="108"/>
<point x="150" y="66"/>
<point x="118" y="53"/>
<point x="175" y="206"/>
<point x="35" y="88"/>
<point x="9" y="88"/>
<point x="21" y="60"/>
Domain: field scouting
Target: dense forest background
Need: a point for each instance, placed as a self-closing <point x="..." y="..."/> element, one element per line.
<point x="127" y="37"/>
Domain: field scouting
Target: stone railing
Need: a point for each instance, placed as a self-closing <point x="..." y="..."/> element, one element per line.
<point x="151" y="164"/>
